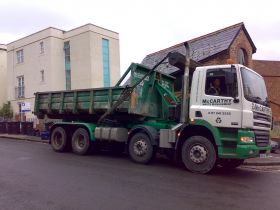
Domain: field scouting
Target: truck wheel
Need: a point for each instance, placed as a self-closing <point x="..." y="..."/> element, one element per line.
<point x="80" y="141"/>
<point x="199" y="155"/>
<point x="140" y="148"/>
<point x="230" y="163"/>
<point x="59" y="139"/>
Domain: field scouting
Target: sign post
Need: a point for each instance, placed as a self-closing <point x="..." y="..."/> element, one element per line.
<point x="24" y="107"/>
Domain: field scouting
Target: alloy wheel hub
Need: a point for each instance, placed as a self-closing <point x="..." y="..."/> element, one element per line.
<point x="198" y="154"/>
<point x="140" y="148"/>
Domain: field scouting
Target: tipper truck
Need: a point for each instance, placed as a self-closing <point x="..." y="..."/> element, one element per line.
<point x="195" y="125"/>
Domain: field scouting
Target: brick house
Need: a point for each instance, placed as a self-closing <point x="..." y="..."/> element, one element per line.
<point x="231" y="44"/>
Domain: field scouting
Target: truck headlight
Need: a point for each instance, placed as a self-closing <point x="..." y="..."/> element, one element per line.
<point x="247" y="139"/>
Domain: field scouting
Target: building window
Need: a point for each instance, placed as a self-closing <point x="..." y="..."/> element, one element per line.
<point x="20" y="57"/>
<point x="42" y="74"/>
<point x="67" y="65"/>
<point x="42" y="50"/>
<point x="106" y="62"/>
<point x="20" y="87"/>
<point x="242" y="56"/>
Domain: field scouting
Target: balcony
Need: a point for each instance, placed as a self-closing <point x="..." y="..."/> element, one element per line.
<point x="19" y="92"/>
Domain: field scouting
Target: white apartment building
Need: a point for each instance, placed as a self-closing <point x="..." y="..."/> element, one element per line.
<point x="3" y="74"/>
<point x="53" y="59"/>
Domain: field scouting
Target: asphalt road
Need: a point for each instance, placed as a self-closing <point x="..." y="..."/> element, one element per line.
<point x="32" y="176"/>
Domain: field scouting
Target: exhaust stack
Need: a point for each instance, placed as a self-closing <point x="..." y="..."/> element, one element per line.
<point x="183" y="62"/>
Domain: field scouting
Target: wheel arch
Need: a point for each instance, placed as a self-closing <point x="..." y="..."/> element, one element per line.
<point x="204" y="130"/>
<point x="150" y="131"/>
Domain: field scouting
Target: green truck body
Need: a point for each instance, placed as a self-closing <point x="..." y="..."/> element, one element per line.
<point x="146" y="100"/>
<point x="146" y="117"/>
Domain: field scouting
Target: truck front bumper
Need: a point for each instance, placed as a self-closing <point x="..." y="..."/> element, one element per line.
<point x="245" y="151"/>
<point x="250" y="151"/>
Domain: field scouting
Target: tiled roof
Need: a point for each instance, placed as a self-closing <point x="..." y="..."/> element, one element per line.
<point x="201" y="48"/>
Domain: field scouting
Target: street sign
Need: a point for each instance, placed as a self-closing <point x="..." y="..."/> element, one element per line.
<point x="25" y="107"/>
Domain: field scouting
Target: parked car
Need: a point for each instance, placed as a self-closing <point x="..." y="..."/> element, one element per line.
<point x="274" y="146"/>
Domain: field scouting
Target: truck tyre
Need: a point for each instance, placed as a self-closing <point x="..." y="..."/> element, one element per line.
<point x="80" y="142"/>
<point x="230" y="163"/>
<point x="199" y="155"/>
<point x="59" y="139"/>
<point x="140" y="148"/>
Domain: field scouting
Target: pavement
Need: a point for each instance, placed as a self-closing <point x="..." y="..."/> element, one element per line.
<point x="23" y="137"/>
<point x="271" y="159"/>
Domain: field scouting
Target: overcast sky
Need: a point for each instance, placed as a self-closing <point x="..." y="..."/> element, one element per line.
<point x="146" y="26"/>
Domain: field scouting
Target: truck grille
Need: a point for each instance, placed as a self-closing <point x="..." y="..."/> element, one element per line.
<point x="262" y="124"/>
<point x="262" y="138"/>
<point x="261" y="121"/>
<point x="262" y="117"/>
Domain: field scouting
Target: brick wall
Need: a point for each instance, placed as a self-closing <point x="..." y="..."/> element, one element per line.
<point x="270" y="70"/>
<point x="217" y="60"/>
<point x="273" y="87"/>
<point x="241" y="41"/>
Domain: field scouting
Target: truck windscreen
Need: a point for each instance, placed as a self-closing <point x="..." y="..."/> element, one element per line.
<point x="254" y="87"/>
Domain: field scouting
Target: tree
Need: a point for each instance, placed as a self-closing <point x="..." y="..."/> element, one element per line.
<point x="6" y="111"/>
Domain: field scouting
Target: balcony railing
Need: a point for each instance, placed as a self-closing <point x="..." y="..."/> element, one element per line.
<point x="19" y="92"/>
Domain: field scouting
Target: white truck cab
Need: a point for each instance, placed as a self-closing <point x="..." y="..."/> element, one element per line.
<point x="240" y="100"/>
<point x="225" y="116"/>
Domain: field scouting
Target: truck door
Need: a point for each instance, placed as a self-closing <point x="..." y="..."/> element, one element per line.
<point x="220" y="104"/>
